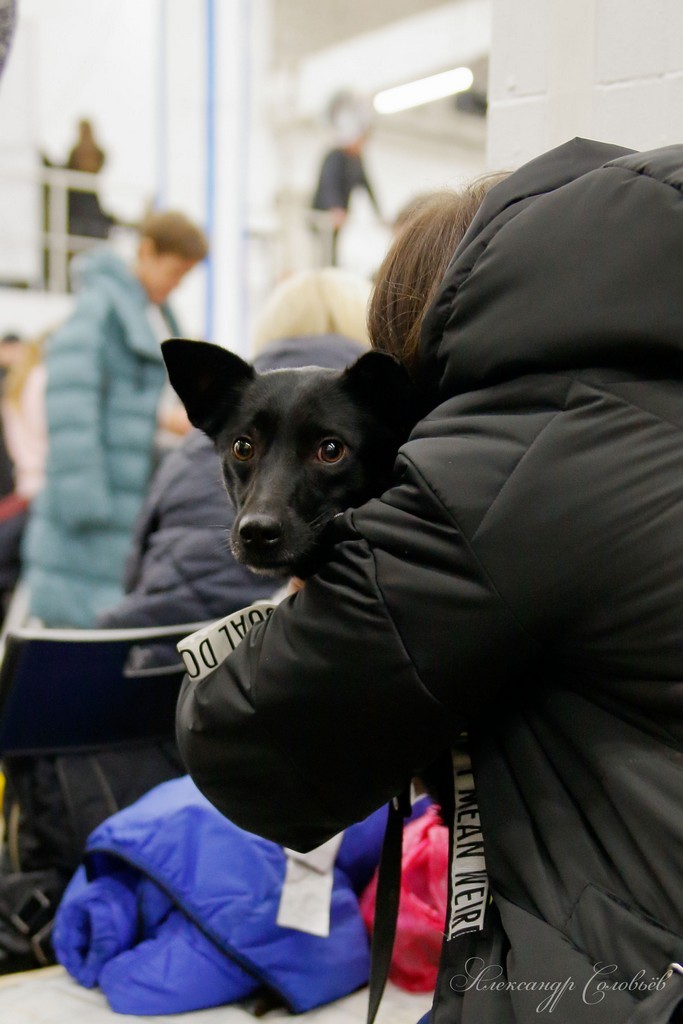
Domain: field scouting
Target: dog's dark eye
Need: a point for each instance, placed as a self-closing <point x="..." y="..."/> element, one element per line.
<point x="243" y="449"/>
<point x="331" y="450"/>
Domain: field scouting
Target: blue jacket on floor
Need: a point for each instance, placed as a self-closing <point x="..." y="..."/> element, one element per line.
<point x="175" y="908"/>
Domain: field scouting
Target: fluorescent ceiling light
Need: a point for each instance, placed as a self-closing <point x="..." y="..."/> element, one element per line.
<point x="413" y="94"/>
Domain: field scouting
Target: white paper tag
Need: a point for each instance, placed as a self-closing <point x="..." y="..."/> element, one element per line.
<point x="204" y="650"/>
<point x="469" y="881"/>
<point x="306" y="896"/>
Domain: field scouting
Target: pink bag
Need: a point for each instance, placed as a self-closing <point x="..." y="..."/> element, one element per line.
<point x="422" y="907"/>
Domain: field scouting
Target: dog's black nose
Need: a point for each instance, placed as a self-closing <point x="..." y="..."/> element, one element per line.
<point x="260" y="531"/>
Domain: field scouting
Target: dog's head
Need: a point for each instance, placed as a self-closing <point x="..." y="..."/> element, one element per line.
<point x="296" y="446"/>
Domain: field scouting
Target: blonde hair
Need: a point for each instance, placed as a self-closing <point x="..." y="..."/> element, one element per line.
<point x="315" y="302"/>
<point x="31" y="354"/>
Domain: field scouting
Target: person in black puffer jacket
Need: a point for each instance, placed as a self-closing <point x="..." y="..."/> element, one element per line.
<point x="522" y="580"/>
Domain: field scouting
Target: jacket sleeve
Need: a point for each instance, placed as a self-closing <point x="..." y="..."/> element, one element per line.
<point x="76" y="467"/>
<point x="355" y="684"/>
<point x="186" y="576"/>
<point x="317" y="718"/>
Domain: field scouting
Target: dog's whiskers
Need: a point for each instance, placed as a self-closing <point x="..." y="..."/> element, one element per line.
<point x="319" y="520"/>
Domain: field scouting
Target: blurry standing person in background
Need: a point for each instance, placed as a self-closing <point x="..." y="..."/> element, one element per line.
<point x="105" y="377"/>
<point x="85" y="217"/>
<point x="84" y="212"/>
<point x="342" y="169"/>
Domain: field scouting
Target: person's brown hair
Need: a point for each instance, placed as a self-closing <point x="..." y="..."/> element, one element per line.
<point x="86" y="155"/>
<point x="173" y="232"/>
<point x="414" y="266"/>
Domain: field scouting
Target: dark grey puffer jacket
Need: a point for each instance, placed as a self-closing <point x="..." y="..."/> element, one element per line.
<point x="522" y="579"/>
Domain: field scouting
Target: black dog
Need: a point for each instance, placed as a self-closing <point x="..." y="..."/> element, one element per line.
<point x="297" y="446"/>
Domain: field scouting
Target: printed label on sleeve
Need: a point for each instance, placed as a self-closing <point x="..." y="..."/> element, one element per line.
<point x="469" y="881"/>
<point x="206" y="649"/>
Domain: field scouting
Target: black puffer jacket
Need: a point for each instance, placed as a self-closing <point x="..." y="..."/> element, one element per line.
<point x="181" y="568"/>
<point x="522" y="579"/>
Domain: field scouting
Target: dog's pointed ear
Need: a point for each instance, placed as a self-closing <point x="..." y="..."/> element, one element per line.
<point x="381" y="384"/>
<point x="205" y="377"/>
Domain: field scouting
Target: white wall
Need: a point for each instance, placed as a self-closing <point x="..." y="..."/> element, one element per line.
<point x="94" y="60"/>
<point x="605" y="69"/>
<point x="401" y="161"/>
<point x="100" y="59"/>
<point x="20" y="312"/>
<point x="448" y="35"/>
<point x="138" y="70"/>
<point x="20" y="208"/>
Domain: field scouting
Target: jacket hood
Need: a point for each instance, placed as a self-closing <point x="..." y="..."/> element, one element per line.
<point x="105" y="271"/>
<point x="573" y="262"/>
<point x="331" y="351"/>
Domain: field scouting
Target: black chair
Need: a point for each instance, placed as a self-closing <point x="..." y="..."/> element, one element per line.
<point x="106" y="696"/>
<point x="68" y="690"/>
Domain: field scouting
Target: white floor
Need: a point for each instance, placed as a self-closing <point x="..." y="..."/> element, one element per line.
<point x="49" y="996"/>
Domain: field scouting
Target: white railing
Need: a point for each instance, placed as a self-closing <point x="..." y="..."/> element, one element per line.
<point x="292" y="238"/>
<point x="51" y="237"/>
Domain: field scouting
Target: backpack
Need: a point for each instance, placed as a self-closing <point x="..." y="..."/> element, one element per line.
<point x="51" y="804"/>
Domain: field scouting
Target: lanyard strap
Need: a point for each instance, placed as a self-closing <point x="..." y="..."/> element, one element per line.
<point x="469" y="888"/>
<point x="386" y="901"/>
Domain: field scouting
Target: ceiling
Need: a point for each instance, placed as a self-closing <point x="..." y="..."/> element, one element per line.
<point x="304" y="26"/>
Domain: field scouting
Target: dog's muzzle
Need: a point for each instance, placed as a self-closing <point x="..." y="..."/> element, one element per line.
<point x="258" y="542"/>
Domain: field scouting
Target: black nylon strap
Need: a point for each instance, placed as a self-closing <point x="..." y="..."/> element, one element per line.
<point x="386" y="901"/>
